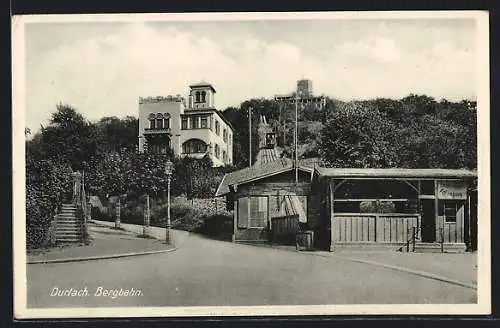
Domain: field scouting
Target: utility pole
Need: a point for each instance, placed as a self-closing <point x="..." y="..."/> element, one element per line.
<point x="250" y="135"/>
<point x="284" y="123"/>
<point x="277" y="128"/>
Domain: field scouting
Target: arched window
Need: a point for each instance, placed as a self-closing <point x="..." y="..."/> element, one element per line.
<point x="152" y="121"/>
<point x="203" y="96"/>
<point x="166" y="120"/>
<point x="197" y="96"/>
<point x="224" y="156"/>
<point x="194" y="146"/>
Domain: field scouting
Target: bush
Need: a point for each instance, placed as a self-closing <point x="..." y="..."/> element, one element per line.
<point x="183" y="216"/>
<point x="216" y="226"/>
<point x="96" y="214"/>
<point x="377" y="207"/>
<point x="47" y="186"/>
<point x="201" y="215"/>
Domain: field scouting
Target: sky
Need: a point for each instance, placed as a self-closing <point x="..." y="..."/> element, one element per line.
<point x="102" y="68"/>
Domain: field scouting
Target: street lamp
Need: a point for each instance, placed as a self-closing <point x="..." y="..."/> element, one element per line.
<point x="169" y="168"/>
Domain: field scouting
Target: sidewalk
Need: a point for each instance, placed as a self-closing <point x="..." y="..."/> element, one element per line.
<point x="457" y="266"/>
<point x="461" y="267"/>
<point x="105" y="242"/>
<point x="178" y="236"/>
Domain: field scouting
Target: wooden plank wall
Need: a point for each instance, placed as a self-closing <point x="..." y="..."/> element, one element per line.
<point x="385" y="228"/>
<point x="453" y="232"/>
<point x="354" y="228"/>
<point x="396" y="228"/>
<point x="284" y="224"/>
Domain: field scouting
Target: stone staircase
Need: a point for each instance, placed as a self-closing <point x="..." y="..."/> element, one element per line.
<point x="69" y="226"/>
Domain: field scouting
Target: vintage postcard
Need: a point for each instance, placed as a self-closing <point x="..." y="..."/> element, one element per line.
<point x="251" y="164"/>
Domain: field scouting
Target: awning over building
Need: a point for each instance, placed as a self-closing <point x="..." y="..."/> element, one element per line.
<point x="271" y="168"/>
<point x="395" y="173"/>
<point x="257" y="172"/>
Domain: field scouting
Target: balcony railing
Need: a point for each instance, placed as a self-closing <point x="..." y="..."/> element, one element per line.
<point x="158" y="131"/>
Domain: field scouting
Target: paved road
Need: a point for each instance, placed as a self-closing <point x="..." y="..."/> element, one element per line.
<point x="205" y="272"/>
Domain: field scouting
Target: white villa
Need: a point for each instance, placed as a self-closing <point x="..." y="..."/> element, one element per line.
<point x="194" y="129"/>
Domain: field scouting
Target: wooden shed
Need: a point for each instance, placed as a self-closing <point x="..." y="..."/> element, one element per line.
<point x="390" y="207"/>
<point x="265" y="194"/>
<point x="351" y="207"/>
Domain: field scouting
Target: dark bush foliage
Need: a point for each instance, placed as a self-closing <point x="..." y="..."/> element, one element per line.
<point x="47" y="186"/>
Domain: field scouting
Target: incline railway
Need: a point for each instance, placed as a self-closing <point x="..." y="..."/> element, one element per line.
<point x="267" y="143"/>
<point x="291" y="205"/>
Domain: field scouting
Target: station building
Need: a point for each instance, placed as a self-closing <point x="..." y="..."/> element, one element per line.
<point x="433" y="209"/>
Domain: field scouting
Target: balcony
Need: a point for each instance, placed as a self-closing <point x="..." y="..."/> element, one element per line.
<point x="150" y="131"/>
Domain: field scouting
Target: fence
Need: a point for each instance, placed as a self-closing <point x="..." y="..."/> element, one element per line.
<point x="284" y="228"/>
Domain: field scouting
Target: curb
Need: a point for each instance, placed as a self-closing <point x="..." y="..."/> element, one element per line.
<point x="402" y="269"/>
<point x="380" y="264"/>
<point x="99" y="224"/>
<point x="92" y="258"/>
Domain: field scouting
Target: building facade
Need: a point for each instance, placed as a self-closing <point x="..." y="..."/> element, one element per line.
<point x="304" y="95"/>
<point x="194" y="128"/>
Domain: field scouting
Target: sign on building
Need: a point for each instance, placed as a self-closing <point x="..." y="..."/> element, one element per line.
<point x="451" y="190"/>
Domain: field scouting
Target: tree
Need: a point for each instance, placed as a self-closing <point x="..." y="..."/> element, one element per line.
<point x="195" y="177"/>
<point x="239" y="120"/>
<point x="118" y="134"/>
<point x="419" y="105"/>
<point x="435" y="143"/>
<point x="70" y="137"/>
<point x="109" y="179"/>
<point x="357" y="136"/>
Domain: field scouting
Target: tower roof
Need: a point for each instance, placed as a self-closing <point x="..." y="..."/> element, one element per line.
<point x="202" y="83"/>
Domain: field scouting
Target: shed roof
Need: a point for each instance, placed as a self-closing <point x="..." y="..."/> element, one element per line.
<point x="266" y="169"/>
<point x="256" y="172"/>
<point x="395" y="173"/>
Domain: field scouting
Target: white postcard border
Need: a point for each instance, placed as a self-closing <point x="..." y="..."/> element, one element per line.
<point x="19" y="220"/>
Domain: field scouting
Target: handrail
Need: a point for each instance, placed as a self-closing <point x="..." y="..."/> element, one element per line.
<point x="80" y="201"/>
<point x="411" y="240"/>
<point x="84" y="208"/>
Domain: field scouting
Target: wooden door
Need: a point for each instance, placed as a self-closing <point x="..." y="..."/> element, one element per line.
<point x="428" y="220"/>
<point x="451" y="221"/>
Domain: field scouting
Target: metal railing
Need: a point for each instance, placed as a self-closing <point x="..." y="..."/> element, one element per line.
<point x="410" y="241"/>
<point x="80" y="201"/>
<point x="85" y="209"/>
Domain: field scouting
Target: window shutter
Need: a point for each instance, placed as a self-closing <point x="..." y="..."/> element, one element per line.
<point x="243" y="212"/>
